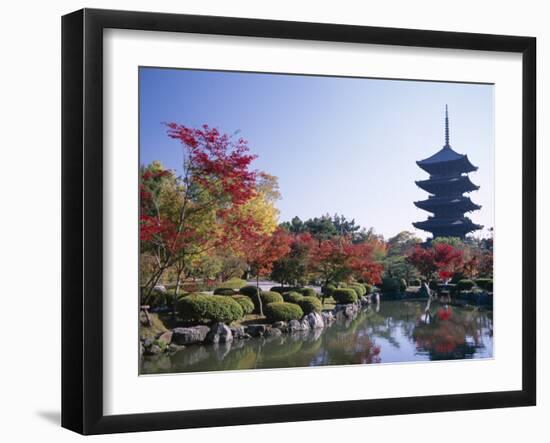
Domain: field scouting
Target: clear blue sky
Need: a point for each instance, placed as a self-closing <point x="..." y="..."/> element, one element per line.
<point x="337" y="145"/>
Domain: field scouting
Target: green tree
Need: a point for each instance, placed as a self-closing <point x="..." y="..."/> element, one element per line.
<point x="402" y="243"/>
<point x="293" y="268"/>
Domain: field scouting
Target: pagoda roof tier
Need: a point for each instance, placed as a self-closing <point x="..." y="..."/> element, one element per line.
<point x="448" y="185"/>
<point x="445" y="162"/>
<point x="452" y="204"/>
<point x="462" y="224"/>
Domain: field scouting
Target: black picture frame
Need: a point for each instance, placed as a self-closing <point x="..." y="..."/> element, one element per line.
<point x="82" y="232"/>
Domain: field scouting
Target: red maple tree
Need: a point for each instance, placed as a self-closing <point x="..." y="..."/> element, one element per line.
<point x="261" y="250"/>
<point x="339" y="259"/>
<point x="216" y="179"/>
<point x="442" y="258"/>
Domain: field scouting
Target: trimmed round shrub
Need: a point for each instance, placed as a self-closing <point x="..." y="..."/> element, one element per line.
<point x="368" y="288"/>
<point x="246" y="303"/>
<point x="282" y="311"/>
<point x="328" y="289"/>
<point x="310" y="304"/>
<point x="358" y="288"/>
<point x="214" y="308"/>
<point x="283" y="289"/>
<point x="344" y="295"/>
<point x="292" y="297"/>
<point x="485" y="284"/>
<point x="307" y="292"/>
<point x="465" y="285"/>
<point x="266" y="297"/>
<point x="250" y="291"/>
<point x="224" y="291"/>
<point x="271" y="297"/>
<point x="234" y="283"/>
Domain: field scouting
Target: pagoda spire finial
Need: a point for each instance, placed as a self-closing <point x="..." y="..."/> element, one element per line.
<point x="446" y="126"/>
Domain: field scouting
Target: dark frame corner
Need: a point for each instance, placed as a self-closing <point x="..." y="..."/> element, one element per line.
<point x="82" y="151"/>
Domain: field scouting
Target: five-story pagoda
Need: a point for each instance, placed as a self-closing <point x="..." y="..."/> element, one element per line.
<point x="447" y="185"/>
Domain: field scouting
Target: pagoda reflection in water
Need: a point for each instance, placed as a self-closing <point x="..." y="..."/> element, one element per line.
<point x="447" y="185"/>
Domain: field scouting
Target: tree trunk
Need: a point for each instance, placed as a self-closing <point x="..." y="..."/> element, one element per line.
<point x="145" y="309"/>
<point x="149" y="286"/>
<point x="323" y="293"/>
<point x="258" y="295"/>
<point x="176" y="292"/>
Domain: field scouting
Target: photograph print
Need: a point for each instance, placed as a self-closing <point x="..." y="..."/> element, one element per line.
<point x="293" y="221"/>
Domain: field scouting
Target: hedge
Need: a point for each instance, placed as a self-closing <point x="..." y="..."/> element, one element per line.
<point x="283" y="289"/>
<point x="344" y="295"/>
<point x="224" y="291"/>
<point x="281" y="311"/>
<point x="246" y="303"/>
<point x="310" y="304"/>
<point x="307" y="292"/>
<point x="250" y="291"/>
<point x="465" y="285"/>
<point x="485" y="284"/>
<point x="292" y="297"/>
<point x="215" y="308"/>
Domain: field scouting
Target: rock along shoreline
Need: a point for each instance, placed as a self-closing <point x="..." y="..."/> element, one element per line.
<point x="180" y="337"/>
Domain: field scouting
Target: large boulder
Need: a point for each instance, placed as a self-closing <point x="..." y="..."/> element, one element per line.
<point x="219" y="333"/>
<point x="328" y="317"/>
<point x="365" y="301"/>
<point x="189" y="336"/>
<point x="305" y="324"/>
<point x="347" y="310"/>
<point x="238" y="332"/>
<point x="165" y="337"/>
<point x="256" y="330"/>
<point x="280" y="325"/>
<point x="294" y="326"/>
<point x="314" y="320"/>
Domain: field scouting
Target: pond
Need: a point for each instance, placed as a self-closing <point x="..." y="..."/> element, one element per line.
<point x="391" y="332"/>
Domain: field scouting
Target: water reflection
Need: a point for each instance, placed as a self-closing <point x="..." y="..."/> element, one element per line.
<point x="399" y="331"/>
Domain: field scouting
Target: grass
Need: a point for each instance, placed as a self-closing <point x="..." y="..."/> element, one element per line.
<point x="250" y="319"/>
<point x="157" y="326"/>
